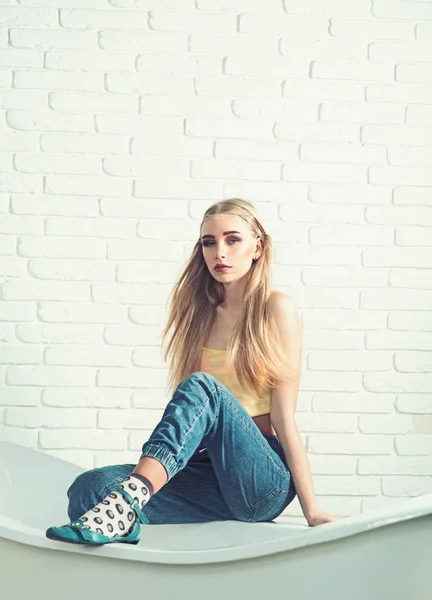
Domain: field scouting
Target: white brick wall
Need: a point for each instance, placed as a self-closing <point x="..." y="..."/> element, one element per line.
<point x="121" y="122"/>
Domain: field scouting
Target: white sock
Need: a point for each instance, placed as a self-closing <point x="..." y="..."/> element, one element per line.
<point x="114" y="515"/>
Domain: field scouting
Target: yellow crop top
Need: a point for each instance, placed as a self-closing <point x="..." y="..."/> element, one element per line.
<point x="213" y="362"/>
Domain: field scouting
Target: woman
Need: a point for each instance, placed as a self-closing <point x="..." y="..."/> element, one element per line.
<point x="227" y="446"/>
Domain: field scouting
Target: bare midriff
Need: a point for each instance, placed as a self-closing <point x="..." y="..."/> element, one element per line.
<point x="264" y="424"/>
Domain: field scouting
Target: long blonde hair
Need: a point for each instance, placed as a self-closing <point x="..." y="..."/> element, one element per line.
<point x="254" y="349"/>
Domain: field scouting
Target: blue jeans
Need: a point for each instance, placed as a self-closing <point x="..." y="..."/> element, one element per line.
<point x="219" y="464"/>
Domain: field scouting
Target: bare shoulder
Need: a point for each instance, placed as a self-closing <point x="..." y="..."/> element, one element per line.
<point x="282" y="303"/>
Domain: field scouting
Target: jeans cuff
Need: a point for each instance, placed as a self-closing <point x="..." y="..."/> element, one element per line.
<point x="163" y="455"/>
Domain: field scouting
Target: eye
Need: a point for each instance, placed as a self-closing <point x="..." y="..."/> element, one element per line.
<point x="230" y="240"/>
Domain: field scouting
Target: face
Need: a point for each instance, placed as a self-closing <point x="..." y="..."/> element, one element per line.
<point x="237" y="250"/>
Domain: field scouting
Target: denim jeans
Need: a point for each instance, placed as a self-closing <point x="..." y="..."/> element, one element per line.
<point x="219" y="464"/>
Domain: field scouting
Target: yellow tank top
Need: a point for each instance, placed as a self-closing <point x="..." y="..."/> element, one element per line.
<point x="213" y="362"/>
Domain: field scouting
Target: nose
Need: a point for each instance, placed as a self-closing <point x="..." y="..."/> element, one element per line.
<point x="220" y="252"/>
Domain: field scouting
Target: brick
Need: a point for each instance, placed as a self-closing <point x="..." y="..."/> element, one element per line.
<point x="46" y="38"/>
<point x="361" y="112"/>
<point x="402" y="155"/>
<point x="147" y="272"/>
<point x="419" y="115"/>
<point x="347" y="443"/>
<point x="48" y="163"/>
<point x="410" y="320"/>
<point x="414" y="72"/>
<point x="300" y="27"/>
<point x="47" y="376"/>
<point x="394" y="465"/>
<point x="241" y="87"/>
<point x="10" y="396"/>
<point x="274" y="108"/>
<point x="397" y="257"/>
<point x="255" y="150"/>
<point x="400" y="9"/>
<point x="324" y="89"/>
<point x="230" y="44"/>
<point x="396" y="300"/>
<point x="316" y="132"/>
<point x="176" y="63"/>
<point x="70" y="18"/>
<point x="92" y="101"/>
<point x="50" y="418"/>
<point x="135" y="41"/>
<point x="183" y="105"/>
<point x="397" y="134"/>
<point x="249" y="6"/>
<point x="409" y="278"/>
<point x="80" y="60"/>
<point x="424" y="31"/>
<point x="20" y="354"/>
<point x="352" y="235"/>
<point x="273" y="66"/>
<point x="353" y="69"/>
<point x="15" y="99"/>
<point x="94" y="439"/>
<point x="235" y="169"/>
<point x="325" y="49"/>
<point x="401" y="51"/>
<point x="414" y="403"/>
<point x="386" y="424"/>
<point x="399" y="215"/>
<point x="164" y="188"/>
<point x="59" y="80"/>
<point x="37" y="333"/>
<point x="84" y="143"/>
<point x="134" y="335"/>
<point x="132" y="378"/>
<point x="356" y="403"/>
<point x="350" y="194"/>
<point x="401" y="175"/>
<point x="397" y="340"/>
<point x="46" y="205"/>
<point x="23" y="289"/>
<point x="409" y="486"/>
<point x="346" y="485"/>
<point x="13" y="267"/>
<point x="398" y="382"/>
<point x="328" y="172"/>
<point x="318" y="423"/>
<point x="91" y="356"/>
<point x="343" y="153"/>
<point x="414" y="445"/>
<point x="17" y="311"/>
<point x="414" y="93"/>
<point x="310" y="212"/>
<point x="192" y="22"/>
<point x="90" y="397"/>
<point x="83" y="312"/>
<point x="412" y="196"/>
<point x="16" y="435"/>
<point x="350" y="8"/>
<point x="128" y="293"/>
<point x="349" y="360"/>
<point x="33" y="16"/>
<point x="366" y="29"/>
<point x="322" y="464"/>
<point x="354" y="319"/>
<point x="88" y="184"/>
<point x="84" y="270"/>
<point x="90" y="227"/>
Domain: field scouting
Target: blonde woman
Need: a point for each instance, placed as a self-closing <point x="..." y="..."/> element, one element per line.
<point x="227" y="446"/>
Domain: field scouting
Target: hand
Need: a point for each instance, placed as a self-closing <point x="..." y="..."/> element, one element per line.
<point x="320" y="518"/>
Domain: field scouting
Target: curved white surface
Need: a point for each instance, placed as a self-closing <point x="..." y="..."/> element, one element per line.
<point x="385" y="551"/>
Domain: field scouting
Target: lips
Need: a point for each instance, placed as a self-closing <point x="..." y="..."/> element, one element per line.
<point x="222" y="268"/>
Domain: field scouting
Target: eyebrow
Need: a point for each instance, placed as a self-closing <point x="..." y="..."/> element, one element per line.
<point x="225" y="233"/>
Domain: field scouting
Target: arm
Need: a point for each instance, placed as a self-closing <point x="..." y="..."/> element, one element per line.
<point x="284" y="402"/>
